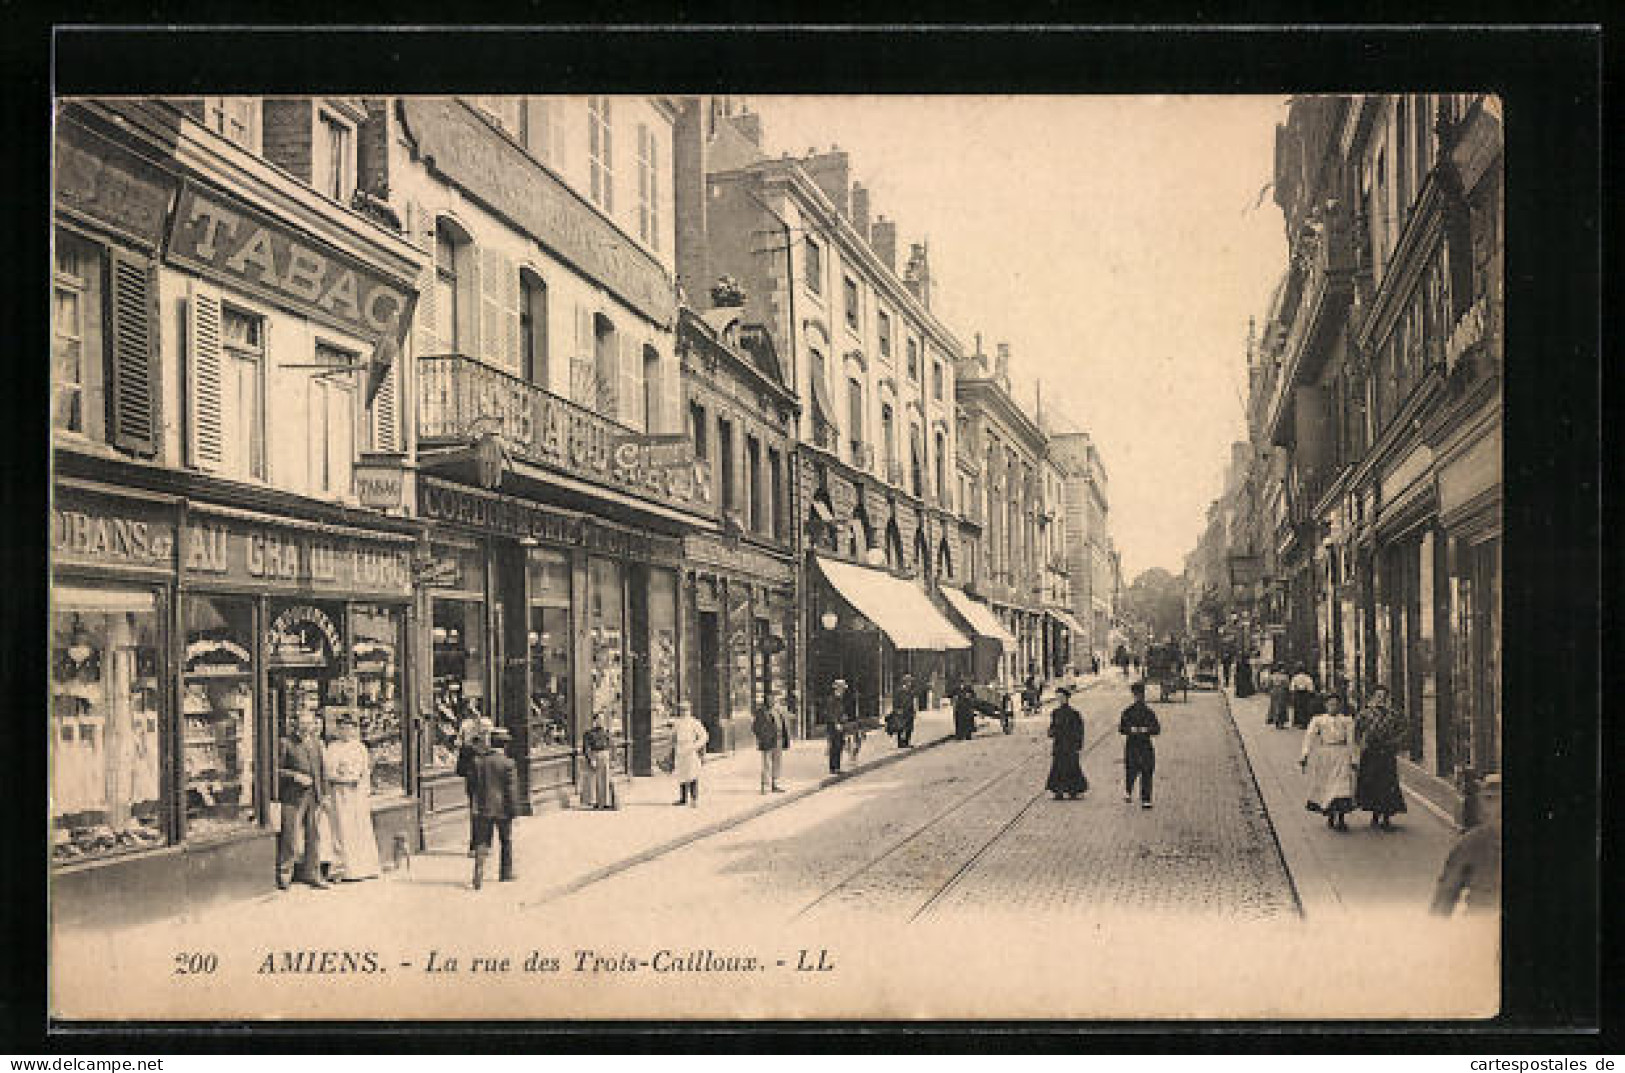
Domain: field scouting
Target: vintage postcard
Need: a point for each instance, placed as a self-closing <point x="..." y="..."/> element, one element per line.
<point x="769" y="557"/>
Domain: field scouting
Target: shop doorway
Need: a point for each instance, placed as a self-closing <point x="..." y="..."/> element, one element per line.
<point x="710" y="711"/>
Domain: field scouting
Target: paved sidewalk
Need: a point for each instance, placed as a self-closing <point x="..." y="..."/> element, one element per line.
<point x="1334" y="872"/>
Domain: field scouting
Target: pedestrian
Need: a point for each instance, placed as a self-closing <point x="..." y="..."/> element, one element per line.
<point x="349" y="775"/>
<point x="1278" y="686"/>
<point x="964" y="711"/>
<point x="839" y="716"/>
<point x="1094" y="665"/>
<point x="688" y="740"/>
<point x="1122" y="660"/>
<point x="1224" y="665"/>
<point x="905" y="706"/>
<point x="496" y="803"/>
<point x="1380" y="733"/>
<point x="1032" y="688"/>
<point x="1066" y="747"/>
<point x="1244" y="677"/>
<point x="1329" y="758"/>
<point x="597" y="787"/>
<point x="772" y="729"/>
<point x="302" y="793"/>
<point x="1471" y="876"/>
<point x="472" y="737"/>
<point x="1303" y="697"/>
<point x="1138" y="725"/>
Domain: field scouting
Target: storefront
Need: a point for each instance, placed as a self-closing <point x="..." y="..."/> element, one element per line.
<point x="544" y="619"/>
<point x="989" y="639"/>
<point x="185" y="641"/>
<point x="742" y="618"/>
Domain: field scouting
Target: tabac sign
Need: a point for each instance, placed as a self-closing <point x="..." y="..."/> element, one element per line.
<point x="230" y="243"/>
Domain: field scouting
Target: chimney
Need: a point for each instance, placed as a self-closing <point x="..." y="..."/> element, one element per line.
<point x="832" y="173"/>
<point x="1001" y="366"/>
<point x="860" y="210"/>
<point x="883" y="239"/>
<point x="917" y="276"/>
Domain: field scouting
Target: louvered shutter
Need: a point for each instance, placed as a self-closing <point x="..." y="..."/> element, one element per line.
<point x="490" y="291"/>
<point x="426" y="318"/>
<point x="629" y="359"/>
<point x="513" y="359"/>
<point x="386" y="425"/>
<point x="132" y="395"/>
<point x="583" y="385"/>
<point x="204" y="369"/>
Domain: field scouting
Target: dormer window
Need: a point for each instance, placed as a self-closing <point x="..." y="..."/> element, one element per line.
<point x="333" y="156"/>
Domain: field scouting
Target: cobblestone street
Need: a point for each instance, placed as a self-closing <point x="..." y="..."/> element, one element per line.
<point x="967" y="828"/>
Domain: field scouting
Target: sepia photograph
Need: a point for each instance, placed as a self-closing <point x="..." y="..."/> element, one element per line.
<point x="772" y="557"/>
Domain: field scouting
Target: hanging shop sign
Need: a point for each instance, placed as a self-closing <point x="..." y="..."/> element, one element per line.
<point x="380" y="480"/>
<point x="228" y="242"/>
<point x="282" y="557"/>
<point x="521" y="519"/>
<point x="109" y="185"/>
<point x="90" y="531"/>
<point x="463" y="147"/>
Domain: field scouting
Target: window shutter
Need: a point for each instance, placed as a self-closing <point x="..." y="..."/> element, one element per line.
<point x="132" y="396"/>
<point x="629" y="396"/>
<point x="510" y="315"/>
<point x="426" y="319"/>
<point x="385" y="412"/>
<point x="204" y="361"/>
<point x="489" y="268"/>
<point x="583" y="386"/>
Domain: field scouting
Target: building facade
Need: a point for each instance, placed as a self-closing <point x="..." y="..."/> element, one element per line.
<point x="1090" y="557"/>
<point x="1379" y="382"/>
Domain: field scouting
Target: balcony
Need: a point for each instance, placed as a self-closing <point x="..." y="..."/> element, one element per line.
<point x="463" y="399"/>
<point x="863" y="455"/>
<point x="1327" y="254"/>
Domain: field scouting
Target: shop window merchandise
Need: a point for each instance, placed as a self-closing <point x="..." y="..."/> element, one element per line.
<point x="218" y="715"/>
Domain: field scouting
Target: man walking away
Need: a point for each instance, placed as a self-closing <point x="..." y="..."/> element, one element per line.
<point x="905" y="705"/>
<point x="837" y="714"/>
<point x="1138" y="726"/>
<point x="496" y="803"/>
<point x="1278" y="684"/>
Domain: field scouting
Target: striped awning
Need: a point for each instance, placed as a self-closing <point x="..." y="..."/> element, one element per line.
<point x="898" y="608"/>
<point x="978" y="616"/>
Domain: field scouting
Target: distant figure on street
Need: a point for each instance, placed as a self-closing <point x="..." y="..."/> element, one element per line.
<point x="1138" y="725"/>
<point x="1244" y="676"/>
<point x="772" y="729"/>
<point x="964" y="711"/>
<point x="597" y="788"/>
<point x="905" y="705"/>
<point x="1329" y="758"/>
<point x="496" y="803"/>
<point x="689" y="738"/>
<point x="1122" y="660"/>
<point x="472" y="738"/>
<point x="1032" y="689"/>
<point x="1471" y="877"/>
<point x="1303" y="697"/>
<point x="840" y="718"/>
<point x="1380" y="733"/>
<point x="1066" y="776"/>
<point x="1225" y="663"/>
<point x="1094" y="665"/>
<point x="1279" y="686"/>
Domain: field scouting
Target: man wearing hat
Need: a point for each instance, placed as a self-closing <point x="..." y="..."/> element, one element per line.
<point x="496" y="803"/>
<point x="1138" y="726"/>
<point x="840" y="718"/>
<point x="1066" y="778"/>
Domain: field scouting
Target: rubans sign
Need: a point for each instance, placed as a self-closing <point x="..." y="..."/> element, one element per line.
<point x="89" y="532"/>
<point x="239" y="247"/>
<point x="306" y="560"/>
<point x="462" y="147"/>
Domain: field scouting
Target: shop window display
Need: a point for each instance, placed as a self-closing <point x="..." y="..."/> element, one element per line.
<point x="217" y="715"/>
<point x="548" y="640"/>
<point x="606" y="634"/>
<point x="460" y="693"/>
<point x="662" y="650"/>
<point x="106" y="769"/>
<point x="376" y="676"/>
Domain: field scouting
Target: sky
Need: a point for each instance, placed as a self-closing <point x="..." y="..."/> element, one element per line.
<point x="1113" y="242"/>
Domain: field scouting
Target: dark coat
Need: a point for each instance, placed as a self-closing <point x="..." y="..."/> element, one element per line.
<point x="770" y="732"/>
<point x="304" y="757"/>
<point x="1066" y="770"/>
<point x="1065" y="730"/>
<point x="496" y="786"/>
<point x="1138" y="725"/>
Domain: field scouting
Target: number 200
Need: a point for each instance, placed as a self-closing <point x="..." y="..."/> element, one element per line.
<point x="195" y="964"/>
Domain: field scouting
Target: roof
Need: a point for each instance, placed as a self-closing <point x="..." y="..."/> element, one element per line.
<point x="978" y="616"/>
<point x="899" y="609"/>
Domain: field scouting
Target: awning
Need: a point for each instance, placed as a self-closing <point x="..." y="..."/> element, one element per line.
<point x="980" y="617"/>
<point x="899" y="609"/>
<point x="1066" y="619"/>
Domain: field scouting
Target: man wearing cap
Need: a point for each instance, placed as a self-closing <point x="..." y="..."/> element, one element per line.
<point x="905" y="706"/>
<point x="1138" y="726"/>
<point x="840" y="717"/>
<point x="496" y="803"/>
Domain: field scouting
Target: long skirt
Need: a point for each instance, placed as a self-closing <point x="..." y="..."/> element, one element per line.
<point x="1066" y="774"/>
<point x="597" y="788"/>
<point x="1303" y="703"/>
<point x="1377" y="786"/>
<point x="1331" y="781"/>
<point x="356" y="844"/>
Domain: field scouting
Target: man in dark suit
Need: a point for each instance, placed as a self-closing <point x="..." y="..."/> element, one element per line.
<point x="496" y="803"/>
<point x="1138" y="725"/>
<point x="302" y="791"/>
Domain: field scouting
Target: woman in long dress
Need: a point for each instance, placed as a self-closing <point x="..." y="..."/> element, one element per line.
<point x="1380" y="732"/>
<point x="1328" y="757"/>
<point x="597" y="788"/>
<point x="688" y="755"/>
<point x="1066" y="734"/>
<point x="349" y="774"/>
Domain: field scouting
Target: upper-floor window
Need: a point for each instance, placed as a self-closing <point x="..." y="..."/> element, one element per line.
<point x="606" y="367"/>
<point x="700" y="431"/>
<point x="76" y="333"/>
<point x="813" y="265"/>
<point x="941" y="466"/>
<point x="913" y="359"/>
<point x="888" y="441"/>
<point x="936" y="380"/>
<point x="453" y="305"/>
<point x="648" y="187"/>
<point x="333" y="157"/>
<point x="654" y="390"/>
<point x="242" y="398"/>
<point x="849" y="289"/>
<point x="601" y="152"/>
<point x="755" y="512"/>
<point x="775" y="502"/>
<point x="854" y="416"/>
<point x="237" y="119"/>
<point x="883" y="325"/>
<point x="725" y="468"/>
<point x="533" y="339"/>
<point x="331" y="411"/>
